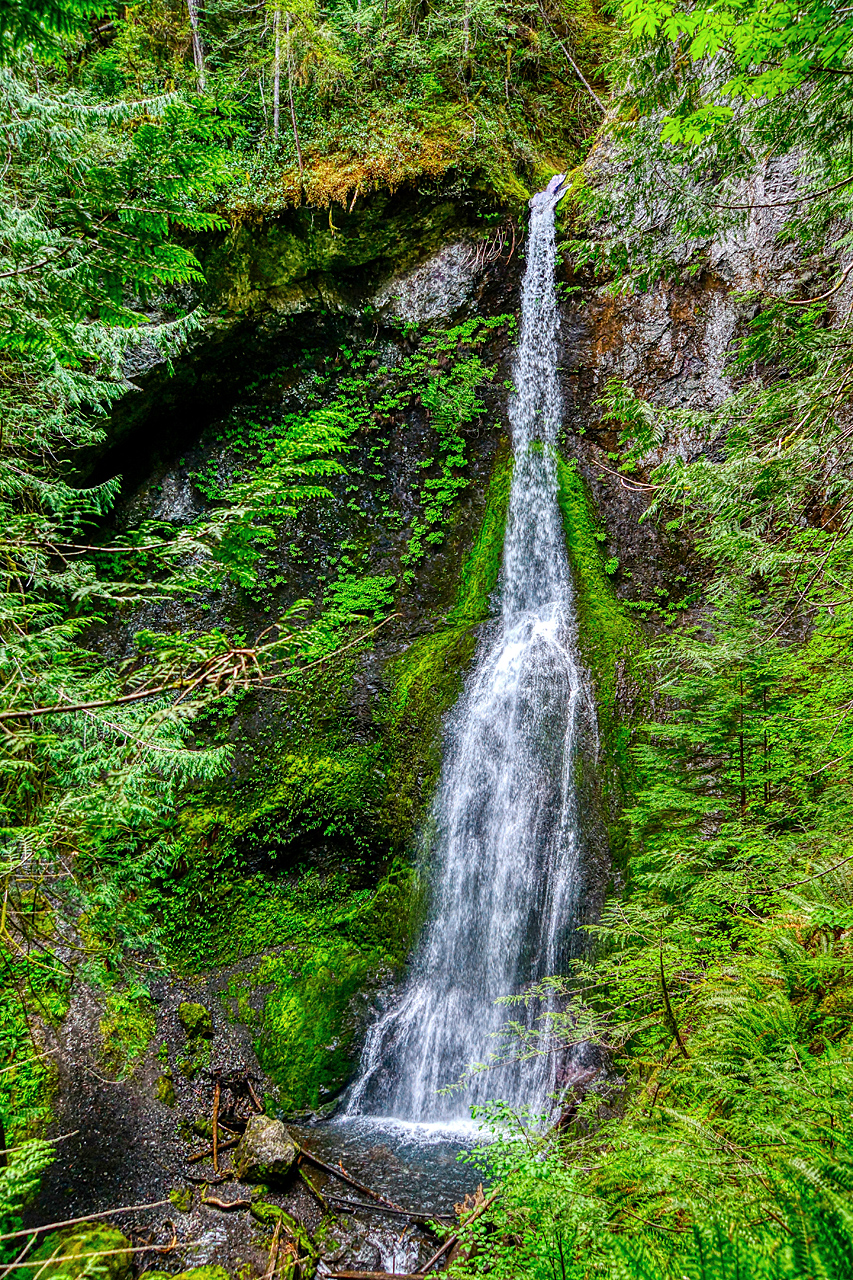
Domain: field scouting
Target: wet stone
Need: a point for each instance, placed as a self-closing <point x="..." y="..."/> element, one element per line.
<point x="266" y="1151"/>
<point x="94" y="1250"/>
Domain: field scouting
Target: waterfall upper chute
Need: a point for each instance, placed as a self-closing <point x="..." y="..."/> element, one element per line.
<point x="505" y="857"/>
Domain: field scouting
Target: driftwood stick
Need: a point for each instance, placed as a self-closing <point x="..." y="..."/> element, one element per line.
<point x="89" y="1217"/>
<point x="314" y="1189"/>
<point x="208" y="1151"/>
<point x="422" y="1219"/>
<point x="216" y="1094"/>
<point x="255" y="1097"/>
<point x="344" y="1177"/>
<point x="226" y="1204"/>
<point x="454" y="1239"/>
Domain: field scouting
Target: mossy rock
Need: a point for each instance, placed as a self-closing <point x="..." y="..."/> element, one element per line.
<point x="266" y="1151"/>
<point x="195" y="1020"/>
<point x="212" y="1272"/>
<point x="73" y="1251"/>
<point x="164" y="1089"/>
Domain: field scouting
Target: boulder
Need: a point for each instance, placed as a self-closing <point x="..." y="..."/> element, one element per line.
<point x="195" y="1020"/>
<point x="73" y="1252"/>
<point x="266" y="1151"/>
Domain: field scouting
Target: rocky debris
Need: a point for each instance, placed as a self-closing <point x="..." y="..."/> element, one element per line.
<point x="91" y="1250"/>
<point x="195" y="1020"/>
<point x="266" y="1151"/>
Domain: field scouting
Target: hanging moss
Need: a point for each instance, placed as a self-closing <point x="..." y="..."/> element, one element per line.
<point x="427" y="679"/>
<point x="608" y="637"/>
<point x="335" y="933"/>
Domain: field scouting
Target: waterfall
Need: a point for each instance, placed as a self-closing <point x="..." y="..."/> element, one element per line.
<point x="506" y="843"/>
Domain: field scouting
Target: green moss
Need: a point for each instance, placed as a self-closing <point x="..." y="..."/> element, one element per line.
<point x="127" y="1027"/>
<point x="427" y="679"/>
<point x="164" y="1089"/>
<point x="182" y="1198"/>
<point x="608" y="636"/>
<point x="73" y="1251"/>
<point x="195" y="1019"/>
<point x="607" y="633"/>
<point x="306" y="1028"/>
<point x="210" y="1272"/>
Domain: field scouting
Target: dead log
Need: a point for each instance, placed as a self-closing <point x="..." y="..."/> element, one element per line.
<point x="421" y="1219"/>
<point x="344" y="1177"/>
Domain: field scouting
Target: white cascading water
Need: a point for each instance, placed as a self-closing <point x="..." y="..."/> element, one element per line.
<point x="505" y="871"/>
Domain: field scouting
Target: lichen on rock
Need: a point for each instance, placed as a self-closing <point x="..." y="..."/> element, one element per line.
<point x="266" y="1151"/>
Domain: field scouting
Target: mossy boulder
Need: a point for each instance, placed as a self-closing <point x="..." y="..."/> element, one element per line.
<point x="195" y="1020"/>
<point x="266" y="1152"/>
<point x="196" y="1273"/>
<point x="73" y="1252"/>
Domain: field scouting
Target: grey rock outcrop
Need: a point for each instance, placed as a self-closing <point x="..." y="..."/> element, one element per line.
<point x="266" y="1151"/>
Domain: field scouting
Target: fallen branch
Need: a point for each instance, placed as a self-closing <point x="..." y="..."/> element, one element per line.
<point x="226" y="1204"/>
<point x="374" y="1275"/>
<point x="216" y="1094"/>
<point x="89" y="1217"/>
<point x="6" y="1151"/>
<point x="14" y="1067"/>
<point x="454" y="1239"/>
<point x="315" y="1191"/>
<point x="344" y="1177"/>
<point x="670" y="1014"/>
<point x="273" y="1258"/>
<point x="209" y="1151"/>
<point x="792" y="884"/>
<point x="572" y="62"/>
<point x="422" y="1219"/>
<point x="106" y="1253"/>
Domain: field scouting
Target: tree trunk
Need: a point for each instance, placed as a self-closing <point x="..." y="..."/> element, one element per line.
<point x="276" y="80"/>
<point x="292" y="108"/>
<point x="198" y="47"/>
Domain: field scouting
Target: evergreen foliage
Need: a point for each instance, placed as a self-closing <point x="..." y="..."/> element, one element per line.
<point x="719" y="990"/>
